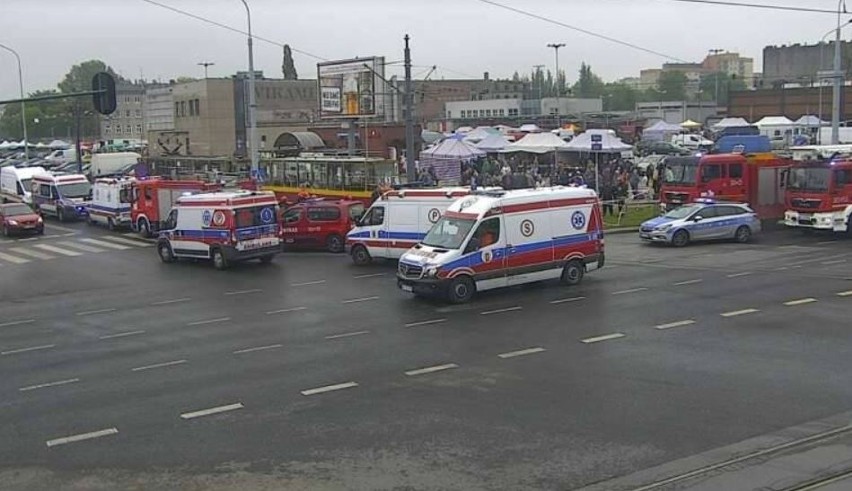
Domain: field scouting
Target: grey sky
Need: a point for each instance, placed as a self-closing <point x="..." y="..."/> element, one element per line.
<point x="462" y="37"/>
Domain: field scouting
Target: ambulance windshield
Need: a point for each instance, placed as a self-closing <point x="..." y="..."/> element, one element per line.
<point x="449" y="233"/>
<point x="75" y="190"/>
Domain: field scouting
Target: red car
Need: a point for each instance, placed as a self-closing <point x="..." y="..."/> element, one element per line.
<point x="320" y="223"/>
<point x="19" y="218"/>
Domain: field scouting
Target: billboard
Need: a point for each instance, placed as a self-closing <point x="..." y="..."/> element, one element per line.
<point x="351" y="88"/>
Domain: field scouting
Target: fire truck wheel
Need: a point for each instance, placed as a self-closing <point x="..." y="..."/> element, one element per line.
<point x="164" y="250"/>
<point x="461" y="289"/>
<point x="334" y="243"/>
<point x="143" y="227"/>
<point x="360" y="256"/>
<point x="219" y="261"/>
<point x="680" y="238"/>
<point x="572" y="273"/>
<point x="743" y="235"/>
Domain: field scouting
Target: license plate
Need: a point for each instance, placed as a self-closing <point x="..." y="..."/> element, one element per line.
<point x="249" y="245"/>
<point x="803" y="217"/>
<point x="645" y="236"/>
<point x="407" y="288"/>
<point x="29" y="226"/>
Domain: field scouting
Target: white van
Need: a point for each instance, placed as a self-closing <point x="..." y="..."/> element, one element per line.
<point x="110" y="204"/>
<point x="692" y="141"/>
<point x="63" y="156"/>
<point x="496" y="239"/>
<point x="16" y="184"/>
<point x="398" y="220"/>
<point x="108" y="164"/>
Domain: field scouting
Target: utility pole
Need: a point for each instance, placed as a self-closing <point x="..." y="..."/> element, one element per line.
<point x="540" y="81"/>
<point x="252" y="112"/>
<point x="23" y="105"/>
<point x="206" y="64"/>
<point x="410" y="171"/>
<point x="556" y="47"/>
<point x="716" y="74"/>
<point x="838" y="80"/>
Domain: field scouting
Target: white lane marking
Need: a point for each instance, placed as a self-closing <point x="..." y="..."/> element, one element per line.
<point x="25" y="350"/>
<point x="500" y="311"/>
<point x="30" y="239"/>
<point x="81" y="247"/>
<point x="739" y="312"/>
<point x="425" y="323"/>
<point x="347" y="335"/>
<point x="527" y="351"/>
<point x="687" y="282"/>
<point x="81" y="437"/>
<point x="64" y="252"/>
<point x="71" y="234"/>
<point x="605" y="337"/>
<point x="121" y="334"/>
<point x="782" y="268"/>
<point x="244" y="292"/>
<point x="93" y="312"/>
<point x="284" y="311"/>
<point x="837" y="261"/>
<point x="259" y="348"/>
<point x="632" y="290"/>
<point x="826" y="242"/>
<point x="158" y="365"/>
<point x="847" y="293"/>
<point x="801" y="301"/>
<point x="175" y="300"/>
<point x="212" y="410"/>
<point x="17" y="323"/>
<point x="122" y="240"/>
<point x="737" y="275"/>
<point x="675" y="324"/>
<point x="307" y="283"/>
<point x="329" y="388"/>
<point x="566" y="300"/>
<point x="105" y="244"/>
<point x="31" y="253"/>
<point x="13" y="259"/>
<point x="57" y="227"/>
<point x="209" y="321"/>
<point x="48" y="384"/>
<point x="436" y="368"/>
<point x="358" y="300"/>
<point x="360" y="277"/>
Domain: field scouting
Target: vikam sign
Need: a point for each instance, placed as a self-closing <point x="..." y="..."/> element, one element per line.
<point x="348" y="88"/>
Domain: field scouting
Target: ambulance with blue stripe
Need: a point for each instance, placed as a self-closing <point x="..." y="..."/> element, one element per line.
<point x="223" y="227"/>
<point x="503" y="238"/>
<point x="110" y="206"/>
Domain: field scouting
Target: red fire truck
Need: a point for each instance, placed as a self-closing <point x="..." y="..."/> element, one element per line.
<point x="819" y="195"/>
<point x="153" y="198"/>
<point x="756" y="179"/>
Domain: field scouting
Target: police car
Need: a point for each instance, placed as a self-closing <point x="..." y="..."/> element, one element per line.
<point x="702" y="220"/>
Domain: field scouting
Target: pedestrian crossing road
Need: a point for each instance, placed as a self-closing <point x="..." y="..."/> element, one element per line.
<point x="72" y="246"/>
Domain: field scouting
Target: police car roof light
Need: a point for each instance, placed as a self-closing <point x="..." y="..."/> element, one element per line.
<point x="706" y="201"/>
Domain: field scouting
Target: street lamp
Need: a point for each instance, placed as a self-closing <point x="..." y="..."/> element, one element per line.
<point x="23" y="106"/>
<point x="205" y="64"/>
<point x="821" y="58"/>
<point x="253" y="143"/>
<point x="556" y="47"/>
<point x="835" y="100"/>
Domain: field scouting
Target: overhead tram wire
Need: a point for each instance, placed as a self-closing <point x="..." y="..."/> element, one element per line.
<point x="584" y="31"/>
<point x="788" y="8"/>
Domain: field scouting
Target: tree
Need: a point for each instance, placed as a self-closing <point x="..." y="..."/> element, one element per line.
<point x="620" y="97"/>
<point x="185" y="80"/>
<point x="45" y="119"/>
<point x="288" y="67"/>
<point x="725" y="84"/>
<point x="79" y="78"/>
<point x="672" y="85"/>
<point x="588" y="84"/>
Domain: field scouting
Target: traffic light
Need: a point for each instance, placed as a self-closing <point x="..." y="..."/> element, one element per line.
<point x="104" y="99"/>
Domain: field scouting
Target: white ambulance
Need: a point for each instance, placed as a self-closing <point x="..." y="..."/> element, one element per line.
<point x="224" y="227"/>
<point x="494" y="239"/>
<point x="110" y="204"/>
<point x="64" y="196"/>
<point x="16" y="184"/>
<point x="398" y="220"/>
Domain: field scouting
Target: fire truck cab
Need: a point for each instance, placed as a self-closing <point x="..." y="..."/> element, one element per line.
<point x="153" y="198"/>
<point x="819" y="195"/>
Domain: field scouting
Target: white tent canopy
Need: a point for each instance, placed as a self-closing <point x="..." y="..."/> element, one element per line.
<point x="5" y="144"/>
<point x="493" y="143"/>
<point x="59" y="144"/>
<point x="774" y="121"/>
<point x="480" y="133"/>
<point x="537" y="143"/>
<point x="809" y="120"/>
<point x="730" y="122"/>
<point x="529" y="128"/>
<point x="598" y="141"/>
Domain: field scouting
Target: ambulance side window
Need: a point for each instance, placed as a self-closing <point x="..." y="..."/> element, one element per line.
<point x="44" y="190"/>
<point x="171" y="221"/>
<point x="54" y="193"/>
<point x="487" y="234"/>
<point x="376" y="216"/>
<point x="124" y="196"/>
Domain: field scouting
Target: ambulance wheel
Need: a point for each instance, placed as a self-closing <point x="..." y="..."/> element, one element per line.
<point x="164" y="250"/>
<point x="110" y="224"/>
<point x="461" y="289"/>
<point x="572" y="273"/>
<point x="334" y="243"/>
<point x="267" y="258"/>
<point x="743" y="235"/>
<point x="219" y="261"/>
<point x="680" y="238"/>
<point x="360" y="256"/>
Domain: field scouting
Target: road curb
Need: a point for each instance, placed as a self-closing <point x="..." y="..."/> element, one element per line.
<point x="620" y="230"/>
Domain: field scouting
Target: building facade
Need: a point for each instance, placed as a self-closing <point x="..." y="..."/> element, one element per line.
<point x="157" y="109"/>
<point x="802" y="63"/>
<point x="676" y="112"/>
<point x="127" y="122"/>
<point x="793" y="102"/>
<point x="732" y="64"/>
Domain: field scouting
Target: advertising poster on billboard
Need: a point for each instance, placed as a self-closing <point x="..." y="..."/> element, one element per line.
<point x="351" y="88"/>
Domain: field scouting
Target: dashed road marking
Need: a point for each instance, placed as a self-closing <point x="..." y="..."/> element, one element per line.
<point x="425" y="323"/>
<point x="436" y="368"/>
<point x="605" y="337"/>
<point x="736" y="313"/>
<point x="49" y="384"/>
<point x="131" y="242"/>
<point x="26" y="350"/>
<point x="688" y="282"/>
<point x="158" y="365"/>
<point x="13" y="259"/>
<point x="782" y="268"/>
<point x="847" y="293"/>
<point x="81" y="437"/>
<point x="567" y="300"/>
<point x="501" y="311"/>
<point x="632" y="290"/>
<point x="31" y="253"/>
<point x="826" y="242"/>
<point x="284" y="311"/>
<point x="174" y="300"/>
<point x="308" y="283"/>
<point x="362" y="276"/>
<point x="95" y="312"/>
<point x="522" y="352"/>
<point x="64" y="252"/>
<point x="801" y="301"/>
<point x="17" y="323"/>
<point x="209" y="321"/>
<point x="102" y="243"/>
<point x="836" y="261"/>
<point x="244" y="292"/>
<point x="82" y="247"/>
<point x="347" y="335"/>
<point x="359" y="300"/>
<point x="329" y="388"/>
<point x="121" y="334"/>
<point x="259" y="348"/>
<point x="671" y="325"/>
<point x="212" y="410"/>
<point x="737" y="275"/>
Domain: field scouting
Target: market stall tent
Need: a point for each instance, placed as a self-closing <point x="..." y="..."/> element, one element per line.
<point x="448" y="157"/>
<point x="480" y="133"/>
<point x="493" y="143"/>
<point x="597" y="141"/>
<point x="537" y="143"/>
<point x="660" y="131"/>
<point x="690" y="124"/>
<point x="730" y="122"/>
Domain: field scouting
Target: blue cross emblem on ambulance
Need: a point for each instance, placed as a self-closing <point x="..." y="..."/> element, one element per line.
<point x="578" y="220"/>
<point x="267" y="215"/>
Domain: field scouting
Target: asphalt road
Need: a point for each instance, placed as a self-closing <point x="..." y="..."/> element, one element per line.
<point x="120" y="372"/>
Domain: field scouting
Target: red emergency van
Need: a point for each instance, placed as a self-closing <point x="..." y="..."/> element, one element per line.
<point x="320" y="223"/>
